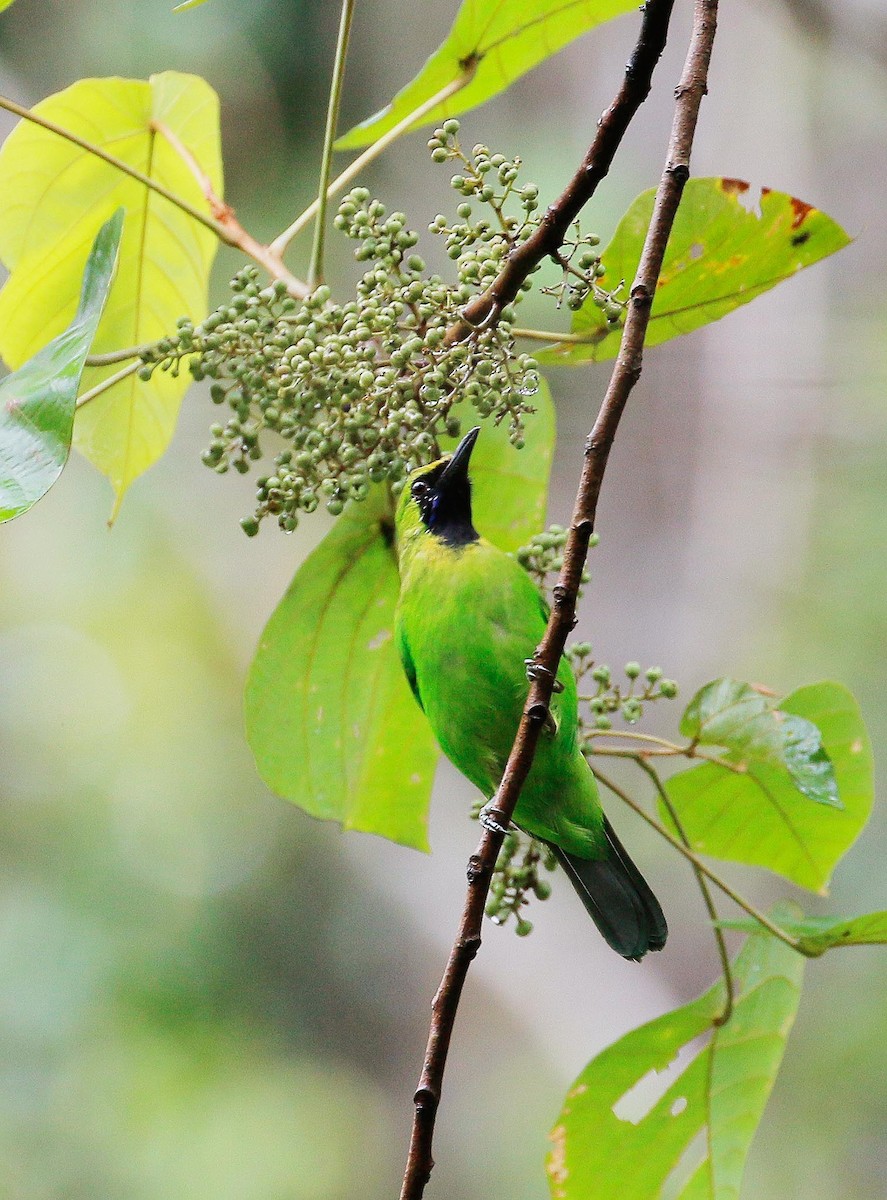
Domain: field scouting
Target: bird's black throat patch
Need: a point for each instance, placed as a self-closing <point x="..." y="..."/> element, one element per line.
<point x="445" y="506"/>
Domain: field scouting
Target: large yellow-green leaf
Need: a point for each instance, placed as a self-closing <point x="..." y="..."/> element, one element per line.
<point x="37" y="401"/>
<point x="502" y="40"/>
<point x="721" y="1091"/>
<point x="329" y="715"/>
<point x="762" y="817"/>
<point x="54" y="198"/>
<point x="720" y="255"/>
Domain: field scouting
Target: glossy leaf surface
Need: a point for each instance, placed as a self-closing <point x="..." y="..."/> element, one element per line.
<point x="58" y="194"/>
<point x="749" y="726"/>
<point x="721" y="1091"/>
<point x="37" y="401"/>
<point x="720" y="255"/>
<point x="500" y="40"/>
<point x="759" y="816"/>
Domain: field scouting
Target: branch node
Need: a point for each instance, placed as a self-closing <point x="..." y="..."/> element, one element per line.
<point x="425" y="1098"/>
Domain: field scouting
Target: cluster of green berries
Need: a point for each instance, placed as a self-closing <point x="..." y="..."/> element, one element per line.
<point x="582" y="269"/>
<point x="543" y="556"/>
<point x="518" y="874"/>
<point x="610" y="696"/>
<point x="358" y="393"/>
<point x="492" y="180"/>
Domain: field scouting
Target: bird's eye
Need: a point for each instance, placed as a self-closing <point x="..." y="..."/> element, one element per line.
<point x="419" y="488"/>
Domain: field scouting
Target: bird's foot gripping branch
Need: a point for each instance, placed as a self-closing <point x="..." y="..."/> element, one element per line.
<point x="350" y="397"/>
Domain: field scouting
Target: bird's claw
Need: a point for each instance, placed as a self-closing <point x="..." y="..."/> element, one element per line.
<point x="535" y="670"/>
<point x="487" y="817"/>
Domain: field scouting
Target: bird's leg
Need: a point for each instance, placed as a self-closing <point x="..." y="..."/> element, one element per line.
<point x="490" y="817"/>
<point x="535" y="670"/>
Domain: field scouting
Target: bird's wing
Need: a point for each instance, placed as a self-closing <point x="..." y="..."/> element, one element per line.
<point x="409" y="667"/>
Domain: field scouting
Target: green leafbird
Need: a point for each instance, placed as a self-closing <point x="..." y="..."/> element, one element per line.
<point x="467" y="619"/>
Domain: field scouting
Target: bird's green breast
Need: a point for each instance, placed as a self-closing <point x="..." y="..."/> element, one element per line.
<point x="467" y="619"/>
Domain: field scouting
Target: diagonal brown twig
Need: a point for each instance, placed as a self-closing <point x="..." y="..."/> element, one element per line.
<point x="688" y="97"/>
<point x="549" y="236"/>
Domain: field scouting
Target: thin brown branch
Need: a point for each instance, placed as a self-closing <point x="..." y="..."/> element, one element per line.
<point x="223" y="214"/>
<point x="688" y="97"/>
<point x="552" y="229"/>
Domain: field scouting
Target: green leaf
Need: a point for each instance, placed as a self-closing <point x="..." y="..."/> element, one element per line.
<point x="56" y="196"/>
<point x="720" y="255"/>
<point x="750" y="727"/>
<point x="511" y="486"/>
<point x="37" y="402"/>
<point x="329" y="715"/>
<point x="722" y="1092"/>
<point x="818" y="934"/>
<point x="502" y="40"/>
<point x="4" y="4"/>
<point x="760" y="816"/>
<point x="188" y="4"/>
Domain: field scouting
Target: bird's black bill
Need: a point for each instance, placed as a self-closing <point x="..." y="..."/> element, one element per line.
<point x="457" y="467"/>
<point x="445" y="499"/>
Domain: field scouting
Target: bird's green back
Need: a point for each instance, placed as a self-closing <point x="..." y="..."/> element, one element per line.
<point x="467" y="618"/>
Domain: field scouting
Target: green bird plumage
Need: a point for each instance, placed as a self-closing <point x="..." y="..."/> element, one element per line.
<point x="467" y="618"/>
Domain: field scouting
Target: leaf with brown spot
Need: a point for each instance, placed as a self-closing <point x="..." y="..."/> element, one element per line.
<point x="611" y="1140"/>
<point x="720" y="255"/>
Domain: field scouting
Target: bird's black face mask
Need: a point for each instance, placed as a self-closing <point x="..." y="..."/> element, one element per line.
<point x="444" y="496"/>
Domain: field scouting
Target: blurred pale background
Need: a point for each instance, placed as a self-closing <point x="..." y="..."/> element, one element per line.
<point x="204" y="993"/>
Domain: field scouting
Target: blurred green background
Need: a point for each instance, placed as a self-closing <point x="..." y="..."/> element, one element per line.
<point x="204" y="993"/>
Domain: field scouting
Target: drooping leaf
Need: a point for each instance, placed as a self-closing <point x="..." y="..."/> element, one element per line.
<point x="759" y="816"/>
<point x="55" y="197"/>
<point x="329" y="715"/>
<point x="721" y="1091"/>
<point x="720" y="255"/>
<point x="749" y="727"/>
<point x="818" y="934"/>
<point x="37" y="401"/>
<point x="510" y="487"/>
<point x="501" y="40"/>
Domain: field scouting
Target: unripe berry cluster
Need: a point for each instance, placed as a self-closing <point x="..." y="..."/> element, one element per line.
<point x="357" y="393"/>
<point x="517" y="875"/>
<point x="543" y="556"/>
<point x="607" y="697"/>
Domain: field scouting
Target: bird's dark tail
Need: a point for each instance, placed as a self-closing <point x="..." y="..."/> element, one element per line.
<point x="617" y="898"/>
